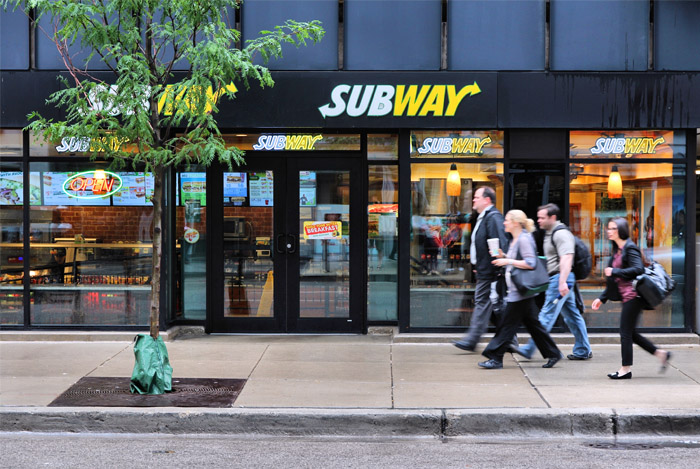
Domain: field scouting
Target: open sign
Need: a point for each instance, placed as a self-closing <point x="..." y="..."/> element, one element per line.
<point x="87" y="185"/>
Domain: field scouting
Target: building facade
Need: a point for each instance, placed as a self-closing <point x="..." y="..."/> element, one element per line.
<point x="353" y="208"/>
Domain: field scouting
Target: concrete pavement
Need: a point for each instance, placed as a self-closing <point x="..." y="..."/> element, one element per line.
<point x="362" y="385"/>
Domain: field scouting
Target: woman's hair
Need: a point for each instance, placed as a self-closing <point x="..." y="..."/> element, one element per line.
<point x="519" y="216"/>
<point x="623" y="230"/>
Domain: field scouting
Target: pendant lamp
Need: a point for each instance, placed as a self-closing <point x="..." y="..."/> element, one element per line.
<point x="454" y="182"/>
<point x="614" y="184"/>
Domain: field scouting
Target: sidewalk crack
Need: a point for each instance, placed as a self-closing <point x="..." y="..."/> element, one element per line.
<point x="258" y="362"/>
<point x="109" y="358"/>
<point x="533" y="384"/>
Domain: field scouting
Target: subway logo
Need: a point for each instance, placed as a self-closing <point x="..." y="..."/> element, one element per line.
<point x="627" y="145"/>
<point x="399" y="100"/>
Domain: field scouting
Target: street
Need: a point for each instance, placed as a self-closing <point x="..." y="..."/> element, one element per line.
<point x="33" y="450"/>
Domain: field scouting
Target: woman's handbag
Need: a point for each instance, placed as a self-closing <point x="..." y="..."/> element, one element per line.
<point x="531" y="282"/>
<point x="654" y="285"/>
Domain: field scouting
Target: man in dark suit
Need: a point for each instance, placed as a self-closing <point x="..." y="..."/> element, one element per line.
<point x="489" y="224"/>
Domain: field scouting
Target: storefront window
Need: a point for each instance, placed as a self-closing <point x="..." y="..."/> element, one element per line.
<point x="630" y="144"/>
<point x="652" y="199"/>
<point x="457" y="144"/>
<point x="90" y="246"/>
<point x="191" y="244"/>
<point x="442" y="283"/>
<point x="312" y="141"/>
<point x="382" y="243"/>
<point x="11" y="239"/>
<point x="10" y="142"/>
<point x="382" y="147"/>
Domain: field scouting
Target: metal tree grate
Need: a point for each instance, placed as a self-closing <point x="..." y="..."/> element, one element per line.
<point x="115" y="392"/>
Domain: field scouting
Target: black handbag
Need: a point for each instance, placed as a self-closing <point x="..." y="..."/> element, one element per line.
<point x="654" y="285"/>
<point x="530" y="282"/>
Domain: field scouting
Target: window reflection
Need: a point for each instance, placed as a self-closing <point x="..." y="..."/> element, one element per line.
<point x="191" y="242"/>
<point x="652" y="200"/>
<point x="382" y="243"/>
<point x="11" y="238"/>
<point x="90" y="257"/>
<point x="442" y="282"/>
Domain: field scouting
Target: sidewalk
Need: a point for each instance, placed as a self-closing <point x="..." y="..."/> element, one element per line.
<point x="358" y="384"/>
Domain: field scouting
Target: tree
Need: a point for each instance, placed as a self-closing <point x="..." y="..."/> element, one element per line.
<point x="151" y="115"/>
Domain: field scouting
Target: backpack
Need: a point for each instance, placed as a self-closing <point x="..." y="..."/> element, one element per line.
<point x="654" y="285"/>
<point x="583" y="261"/>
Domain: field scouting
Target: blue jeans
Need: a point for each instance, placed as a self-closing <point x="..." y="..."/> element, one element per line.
<point x="572" y="317"/>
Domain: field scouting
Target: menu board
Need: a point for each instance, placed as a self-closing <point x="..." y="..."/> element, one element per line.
<point x="136" y="190"/>
<point x="262" y="189"/>
<point x="235" y="188"/>
<point x="193" y="186"/>
<point x="12" y="188"/>
<point x="55" y="195"/>
<point x="307" y="188"/>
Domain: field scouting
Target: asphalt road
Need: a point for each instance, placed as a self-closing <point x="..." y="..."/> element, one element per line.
<point x="34" y="450"/>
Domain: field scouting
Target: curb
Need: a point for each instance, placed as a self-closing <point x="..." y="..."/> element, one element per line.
<point x="436" y="423"/>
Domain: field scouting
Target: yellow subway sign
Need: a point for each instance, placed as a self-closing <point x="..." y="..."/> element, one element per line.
<point x="397" y="100"/>
<point x="102" y="98"/>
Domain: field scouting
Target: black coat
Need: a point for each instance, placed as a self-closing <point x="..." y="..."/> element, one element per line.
<point x="632" y="266"/>
<point x="491" y="227"/>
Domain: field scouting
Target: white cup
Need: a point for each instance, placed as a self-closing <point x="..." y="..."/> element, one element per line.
<point x="494" y="245"/>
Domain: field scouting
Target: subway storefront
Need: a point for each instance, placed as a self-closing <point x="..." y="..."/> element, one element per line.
<point x="353" y="207"/>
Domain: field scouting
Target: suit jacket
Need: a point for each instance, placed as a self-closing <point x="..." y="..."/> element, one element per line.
<point x="491" y="227"/>
<point x="632" y="266"/>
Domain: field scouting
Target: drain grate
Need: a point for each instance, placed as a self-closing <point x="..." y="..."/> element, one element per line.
<point x="624" y="446"/>
<point x="114" y="392"/>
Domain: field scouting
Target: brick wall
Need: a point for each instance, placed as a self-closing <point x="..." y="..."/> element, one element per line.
<point x="107" y="224"/>
<point x="259" y="217"/>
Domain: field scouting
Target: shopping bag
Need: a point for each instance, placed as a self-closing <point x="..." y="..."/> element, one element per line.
<point x="531" y="282"/>
<point x="152" y="371"/>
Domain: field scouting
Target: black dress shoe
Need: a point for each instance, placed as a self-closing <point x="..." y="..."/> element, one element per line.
<point x="615" y="375"/>
<point x="551" y="362"/>
<point x="463" y="346"/>
<point x="491" y="364"/>
<point x="664" y="364"/>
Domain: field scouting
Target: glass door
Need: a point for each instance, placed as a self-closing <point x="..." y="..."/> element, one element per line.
<point x="284" y="255"/>
<point x="324" y="265"/>
<point x="246" y="285"/>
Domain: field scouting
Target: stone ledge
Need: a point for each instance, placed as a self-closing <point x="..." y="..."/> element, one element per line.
<point x="521" y="423"/>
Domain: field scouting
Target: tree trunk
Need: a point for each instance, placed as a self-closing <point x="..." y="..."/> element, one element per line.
<point x="157" y="250"/>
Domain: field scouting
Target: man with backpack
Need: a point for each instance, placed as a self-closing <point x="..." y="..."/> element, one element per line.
<point x="559" y="249"/>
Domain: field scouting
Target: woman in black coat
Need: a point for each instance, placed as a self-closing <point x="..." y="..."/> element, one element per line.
<point x="624" y="266"/>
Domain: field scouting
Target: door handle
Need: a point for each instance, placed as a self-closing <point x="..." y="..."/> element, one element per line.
<point x="292" y="247"/>
<point x="277" y="244"/>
